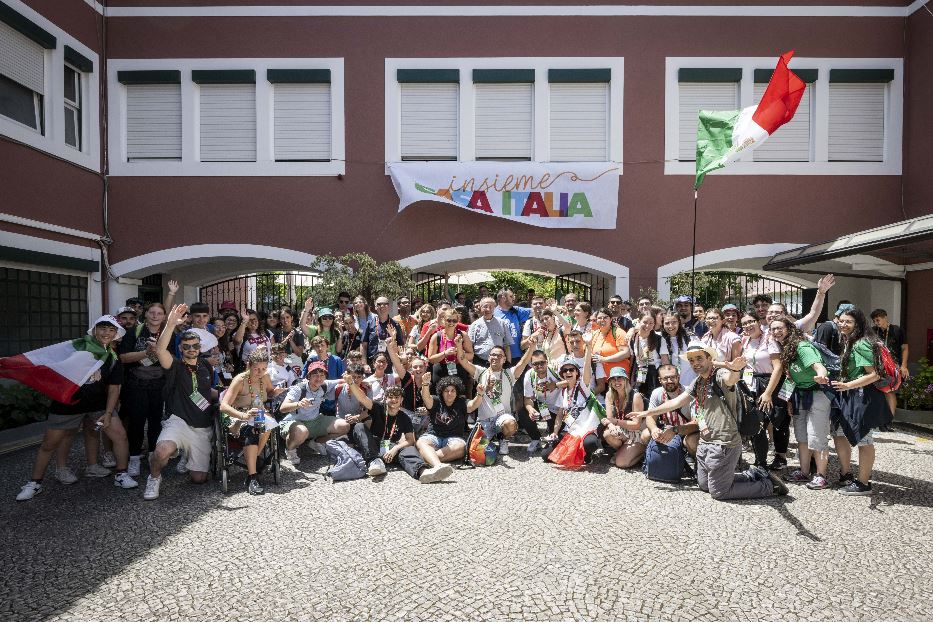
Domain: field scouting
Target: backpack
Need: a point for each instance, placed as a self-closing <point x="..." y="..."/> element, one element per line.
<point x="664" y="463"/>
<point x="889" y="372"/>
<point x="347" y="462"/>
<point x="480" y="452"/>
<point x="831" y="361"/>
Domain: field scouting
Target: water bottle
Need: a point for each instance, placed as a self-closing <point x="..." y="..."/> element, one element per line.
<point x="259" y="419"/>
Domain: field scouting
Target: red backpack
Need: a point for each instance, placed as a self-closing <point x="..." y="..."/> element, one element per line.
<point x="889" y="372"/>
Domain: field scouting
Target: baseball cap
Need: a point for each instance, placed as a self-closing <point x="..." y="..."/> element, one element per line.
<point x="729" y="307"/>
<point x="843" y="309"/>
<point x="123" y="310"/>
<point x="228" y="304"/>
<point x="135" y="300"/>
<point x="683" y="299"/>
<point x="316" y="365"/>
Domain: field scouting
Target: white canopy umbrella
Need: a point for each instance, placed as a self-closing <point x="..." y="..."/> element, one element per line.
<point x="471" y="278"/>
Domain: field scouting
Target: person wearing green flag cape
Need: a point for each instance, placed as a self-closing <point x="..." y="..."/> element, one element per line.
<point x="94" y="401"/>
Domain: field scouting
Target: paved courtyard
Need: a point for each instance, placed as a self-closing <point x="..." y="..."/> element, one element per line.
<point x="518" y="541"/>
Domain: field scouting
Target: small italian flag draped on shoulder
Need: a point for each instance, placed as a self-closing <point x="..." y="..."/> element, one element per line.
<point x="59" y="370"/>
<point x="722" y="136"/>
<point x="569" y="451"/>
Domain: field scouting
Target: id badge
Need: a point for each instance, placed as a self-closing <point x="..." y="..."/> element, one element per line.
<point x="642" y="375"/>
<point x="748" y="377"/>
<point x="451" y="369"/>
<point x="146" y="362"/>
<point x="787" y="389"/>
<point x="382" y="345"/>
<point x="199" y="400"/>
<point x="384" y="447"/>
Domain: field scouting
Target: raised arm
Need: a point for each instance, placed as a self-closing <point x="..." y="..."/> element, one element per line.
<point x="587" y="359"/>
<point x="522" y="363"/>
<point x="176" y="317"/>
<point x="241" y="330"/>
<point x="170" y="297"/>
<point x="669" y="406"/>
<point x="808" y="321"/>
<point x="358" y="392"/>
<point x="304" y="321"/>
<point x="426" y="397"/>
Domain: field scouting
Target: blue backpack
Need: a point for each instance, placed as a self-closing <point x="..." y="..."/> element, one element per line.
<point x="348" y="463"/>
<point x="665" y="463"/>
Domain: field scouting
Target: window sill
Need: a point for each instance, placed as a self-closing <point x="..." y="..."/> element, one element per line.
<point x="32" y="138"/>
<point x="176" y="168"/>
<point x="789" y="168"/>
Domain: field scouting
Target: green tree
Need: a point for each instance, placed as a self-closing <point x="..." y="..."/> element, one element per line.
<point x="714" y="288"/>
<point x="359" y="274"/>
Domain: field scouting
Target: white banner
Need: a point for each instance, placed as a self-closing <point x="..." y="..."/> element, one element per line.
<point x="572" y="195"/>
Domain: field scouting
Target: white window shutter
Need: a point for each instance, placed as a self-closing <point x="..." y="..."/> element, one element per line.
<point x="856" y="122"/>
<point x="504" y="121"/>
<point x="22" y="59"/>
<point x="153" y="121"/>
<point x="228" y="122"/>
<point x="696" y="96"/>
<point x="302" y="121"/>
<point x="791" y="142"/>
<point x="579" y="122"/>
<point x="430" y="120"/>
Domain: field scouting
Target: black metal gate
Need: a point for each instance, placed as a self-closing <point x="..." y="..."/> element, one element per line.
<point x="717" y="288"/>
<point x="586" y="285"/>
<point x="267" y="291"/>
<point x="428" y="288"/>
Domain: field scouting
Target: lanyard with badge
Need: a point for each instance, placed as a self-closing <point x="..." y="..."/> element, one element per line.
<point x="386" y="442"/>
<point x="495" y="393"/>
<point x="540" y="390"/>
<point x="196" y="396"/>
<point x="642" y="357"/>
<point x="748" y="374"/>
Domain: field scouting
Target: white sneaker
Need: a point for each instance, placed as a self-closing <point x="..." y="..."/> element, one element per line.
<point x="317" y="448"/>
<point x="65" y="475"/>
<point x="182" y="466"/>
<point x="30" y="490"/>
<point x="376" y="468"/>
<point x="503" y="447"/>
<point x="133" y="469"/>
<point x="123" y="480"/>
<point x="292" y="455"/>
<point x="95" y="470"/>
<point x="533" y="447"/>
<point x="108" y="460"/>
<point x="436" y="474"/>
<point x="152" y="488"/>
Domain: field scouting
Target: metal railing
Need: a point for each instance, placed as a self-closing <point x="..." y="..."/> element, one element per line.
<point x="262" y="292"/>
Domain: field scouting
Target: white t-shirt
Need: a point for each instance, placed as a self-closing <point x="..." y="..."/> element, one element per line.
<point x="498" y="399"/>
<point x="281" y="375"/>
<point x="723" y="344"/>
<point x="757" y="353"/>
<point x="687" y="375"/>
<point x="599" y="374"/>
<point x="250" y="343"/>
<point x="379" y="387"/>
<point x="547" y="400"/>
<point x="574" y="400"/>
<point x="658" y="397"/>
<point x="638" y="345"/>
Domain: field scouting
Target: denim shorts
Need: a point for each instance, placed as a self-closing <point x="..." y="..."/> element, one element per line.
<point x="440" y="442"/>
<point x="868" y="439"/>
<point x="492" y="427"/>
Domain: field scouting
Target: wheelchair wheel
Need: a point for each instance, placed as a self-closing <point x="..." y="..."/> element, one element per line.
<point x="219" y="455"/>
<point x="275" y="458"/>
<point x="224" y="479"/>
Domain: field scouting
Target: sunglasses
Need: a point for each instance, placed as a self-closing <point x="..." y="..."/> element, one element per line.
<point x="538" y="363"/>
<point x="191" y="346"/>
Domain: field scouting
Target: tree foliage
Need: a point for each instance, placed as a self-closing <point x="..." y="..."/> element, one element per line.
<point x="359" y="274"/>
<point x="714" y="288"/>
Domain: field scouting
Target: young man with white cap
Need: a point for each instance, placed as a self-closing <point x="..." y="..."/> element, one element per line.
<point x="713" y="398"/>
<point x="95" y="401"/>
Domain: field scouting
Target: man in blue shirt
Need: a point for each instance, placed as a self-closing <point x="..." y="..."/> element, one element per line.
<point x="514" y="316"/>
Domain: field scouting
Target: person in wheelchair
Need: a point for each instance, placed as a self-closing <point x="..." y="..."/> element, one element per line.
<point x="243" y="412"/>
<point x="303" y="407"/>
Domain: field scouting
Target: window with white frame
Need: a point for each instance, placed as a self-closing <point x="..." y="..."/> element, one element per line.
<point x="579" y="115"/>
<point x="703" y="89"/>
<point x="227" y="114"/>
<point x="792" y="143"/>
<point x="72" y="95"/>
<point x="857" y="114"/>
<point x="301" y="114"/>
<point x="504" y="113"/>
<point x="22" y="77"/>
<point x="430" y="113"/>
<point x="153" y="114"/>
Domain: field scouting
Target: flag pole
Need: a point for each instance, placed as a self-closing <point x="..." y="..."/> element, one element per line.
<point x="693" y="265"/>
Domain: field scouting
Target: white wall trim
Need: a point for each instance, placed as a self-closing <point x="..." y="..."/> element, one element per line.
<point x="189" y="166"/>
<point x="38" y="224"/>
<point x="467" y="10"/>
<point x="894" y="117"/>
<point x="915" y="6"/>
<point x="54" y="247"/>
<point x="53" y="101"/>
<point x="723" y="255"/>
<point x="541" y="129"/>
<point x="534" y="251"/>
<point x="162" y="260"/>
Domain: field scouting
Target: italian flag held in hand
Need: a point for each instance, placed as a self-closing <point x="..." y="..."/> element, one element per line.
<point x="723" y="136"/>
<point x="569" y="451"/>
<point x="59" y="370"/>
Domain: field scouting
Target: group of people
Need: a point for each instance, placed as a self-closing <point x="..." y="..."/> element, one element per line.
<point x="405" y="389"/>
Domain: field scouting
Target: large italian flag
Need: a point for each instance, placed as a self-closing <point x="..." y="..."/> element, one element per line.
<point x="722" y="136"/>
<point x="57" y="370"/>
<point x="569" y="451"/>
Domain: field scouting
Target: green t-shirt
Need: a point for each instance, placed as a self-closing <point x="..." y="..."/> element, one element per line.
<point x="862" y="356"/>
<point x="801" y="370"/>
<point x="313" y="332"/>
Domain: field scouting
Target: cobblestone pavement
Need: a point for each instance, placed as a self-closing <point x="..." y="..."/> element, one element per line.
<point x="518" y="541"/>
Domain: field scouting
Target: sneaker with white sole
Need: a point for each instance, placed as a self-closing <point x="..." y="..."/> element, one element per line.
<point x="818" y="483"/>
<point x="65" y="475"/>
<point x="108" y="460"/>
<point x="292" y="455"/>
<point x="30" y="490"/>
<point x="436" y="474"/>
<point x="95" y="470"/>
<point x="503" y="447"/>
<point x="533" y="447"/>
<point x="133" y="468"/>
<point x="182" y="466"/>
<point x="856" y="489"/>
<point x="152" y="488"/>
<point x="123" y="480"/>
<point x="376" y="468"/>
